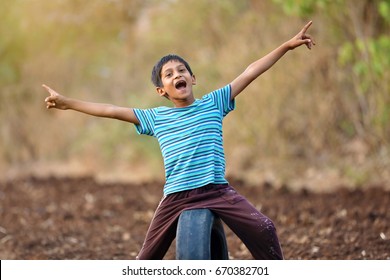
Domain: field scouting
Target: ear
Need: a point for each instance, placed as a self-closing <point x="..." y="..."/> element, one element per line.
<point x="161" y="92"/>
<point x="193" y="80"/>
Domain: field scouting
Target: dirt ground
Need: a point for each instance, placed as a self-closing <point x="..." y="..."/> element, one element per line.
<point x="79" y="218"/>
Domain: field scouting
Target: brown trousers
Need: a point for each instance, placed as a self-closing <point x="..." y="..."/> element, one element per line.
<point x="255" y="230"/>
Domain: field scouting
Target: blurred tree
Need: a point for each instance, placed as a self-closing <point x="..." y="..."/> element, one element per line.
<point x="361" y="30"/>
<point x="103" y="51"/>
<point x="11" y="43"/>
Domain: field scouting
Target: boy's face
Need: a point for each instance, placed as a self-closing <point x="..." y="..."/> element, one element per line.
<point x="177" y="83"/>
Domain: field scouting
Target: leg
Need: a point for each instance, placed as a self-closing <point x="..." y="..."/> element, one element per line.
<point x="255" y="230"/>
<point x="161" y="233"/>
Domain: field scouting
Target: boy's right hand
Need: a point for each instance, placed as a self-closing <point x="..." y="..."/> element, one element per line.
<point x="55" y="100"/>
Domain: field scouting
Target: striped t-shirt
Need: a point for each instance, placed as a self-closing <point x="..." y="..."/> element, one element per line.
<point x="190" y="140"/>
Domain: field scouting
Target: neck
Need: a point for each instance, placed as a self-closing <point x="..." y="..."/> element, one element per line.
<point x="180" y="103"/>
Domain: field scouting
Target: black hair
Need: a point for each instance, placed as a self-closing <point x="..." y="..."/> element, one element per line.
<point x="156" y="72"/>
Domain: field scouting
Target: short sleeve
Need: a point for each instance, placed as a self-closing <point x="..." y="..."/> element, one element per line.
<point x="222" y="99"/>
<point x="146" y="120"/>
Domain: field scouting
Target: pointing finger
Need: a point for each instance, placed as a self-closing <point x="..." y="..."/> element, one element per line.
<point x="46" y="87"/>
<point x="50" y="90"/>
<point x="306" y="27"/>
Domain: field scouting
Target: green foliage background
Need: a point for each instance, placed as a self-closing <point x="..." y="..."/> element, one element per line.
<point x="318" y="118"/>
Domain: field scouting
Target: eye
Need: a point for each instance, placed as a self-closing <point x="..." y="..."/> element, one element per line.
<point x="168" y="75"/>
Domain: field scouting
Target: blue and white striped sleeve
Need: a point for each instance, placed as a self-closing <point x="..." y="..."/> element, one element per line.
<point x="146" y="120"/>
<point x="222" y="99"/>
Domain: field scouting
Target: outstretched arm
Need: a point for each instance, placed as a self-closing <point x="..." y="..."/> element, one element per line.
<point x="58" y="101"/>
<point x="258" y="67"/>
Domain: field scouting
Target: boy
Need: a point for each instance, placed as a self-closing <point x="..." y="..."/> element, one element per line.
<point x="190" y="138"/>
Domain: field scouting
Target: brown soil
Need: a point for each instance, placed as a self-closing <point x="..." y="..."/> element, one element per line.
<point x="79" y="218"/>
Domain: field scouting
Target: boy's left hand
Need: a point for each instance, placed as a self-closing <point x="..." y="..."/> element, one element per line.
<point x="302" y="38"/>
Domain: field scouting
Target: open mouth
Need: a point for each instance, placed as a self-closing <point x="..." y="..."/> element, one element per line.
<point x="180" y="84"/>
